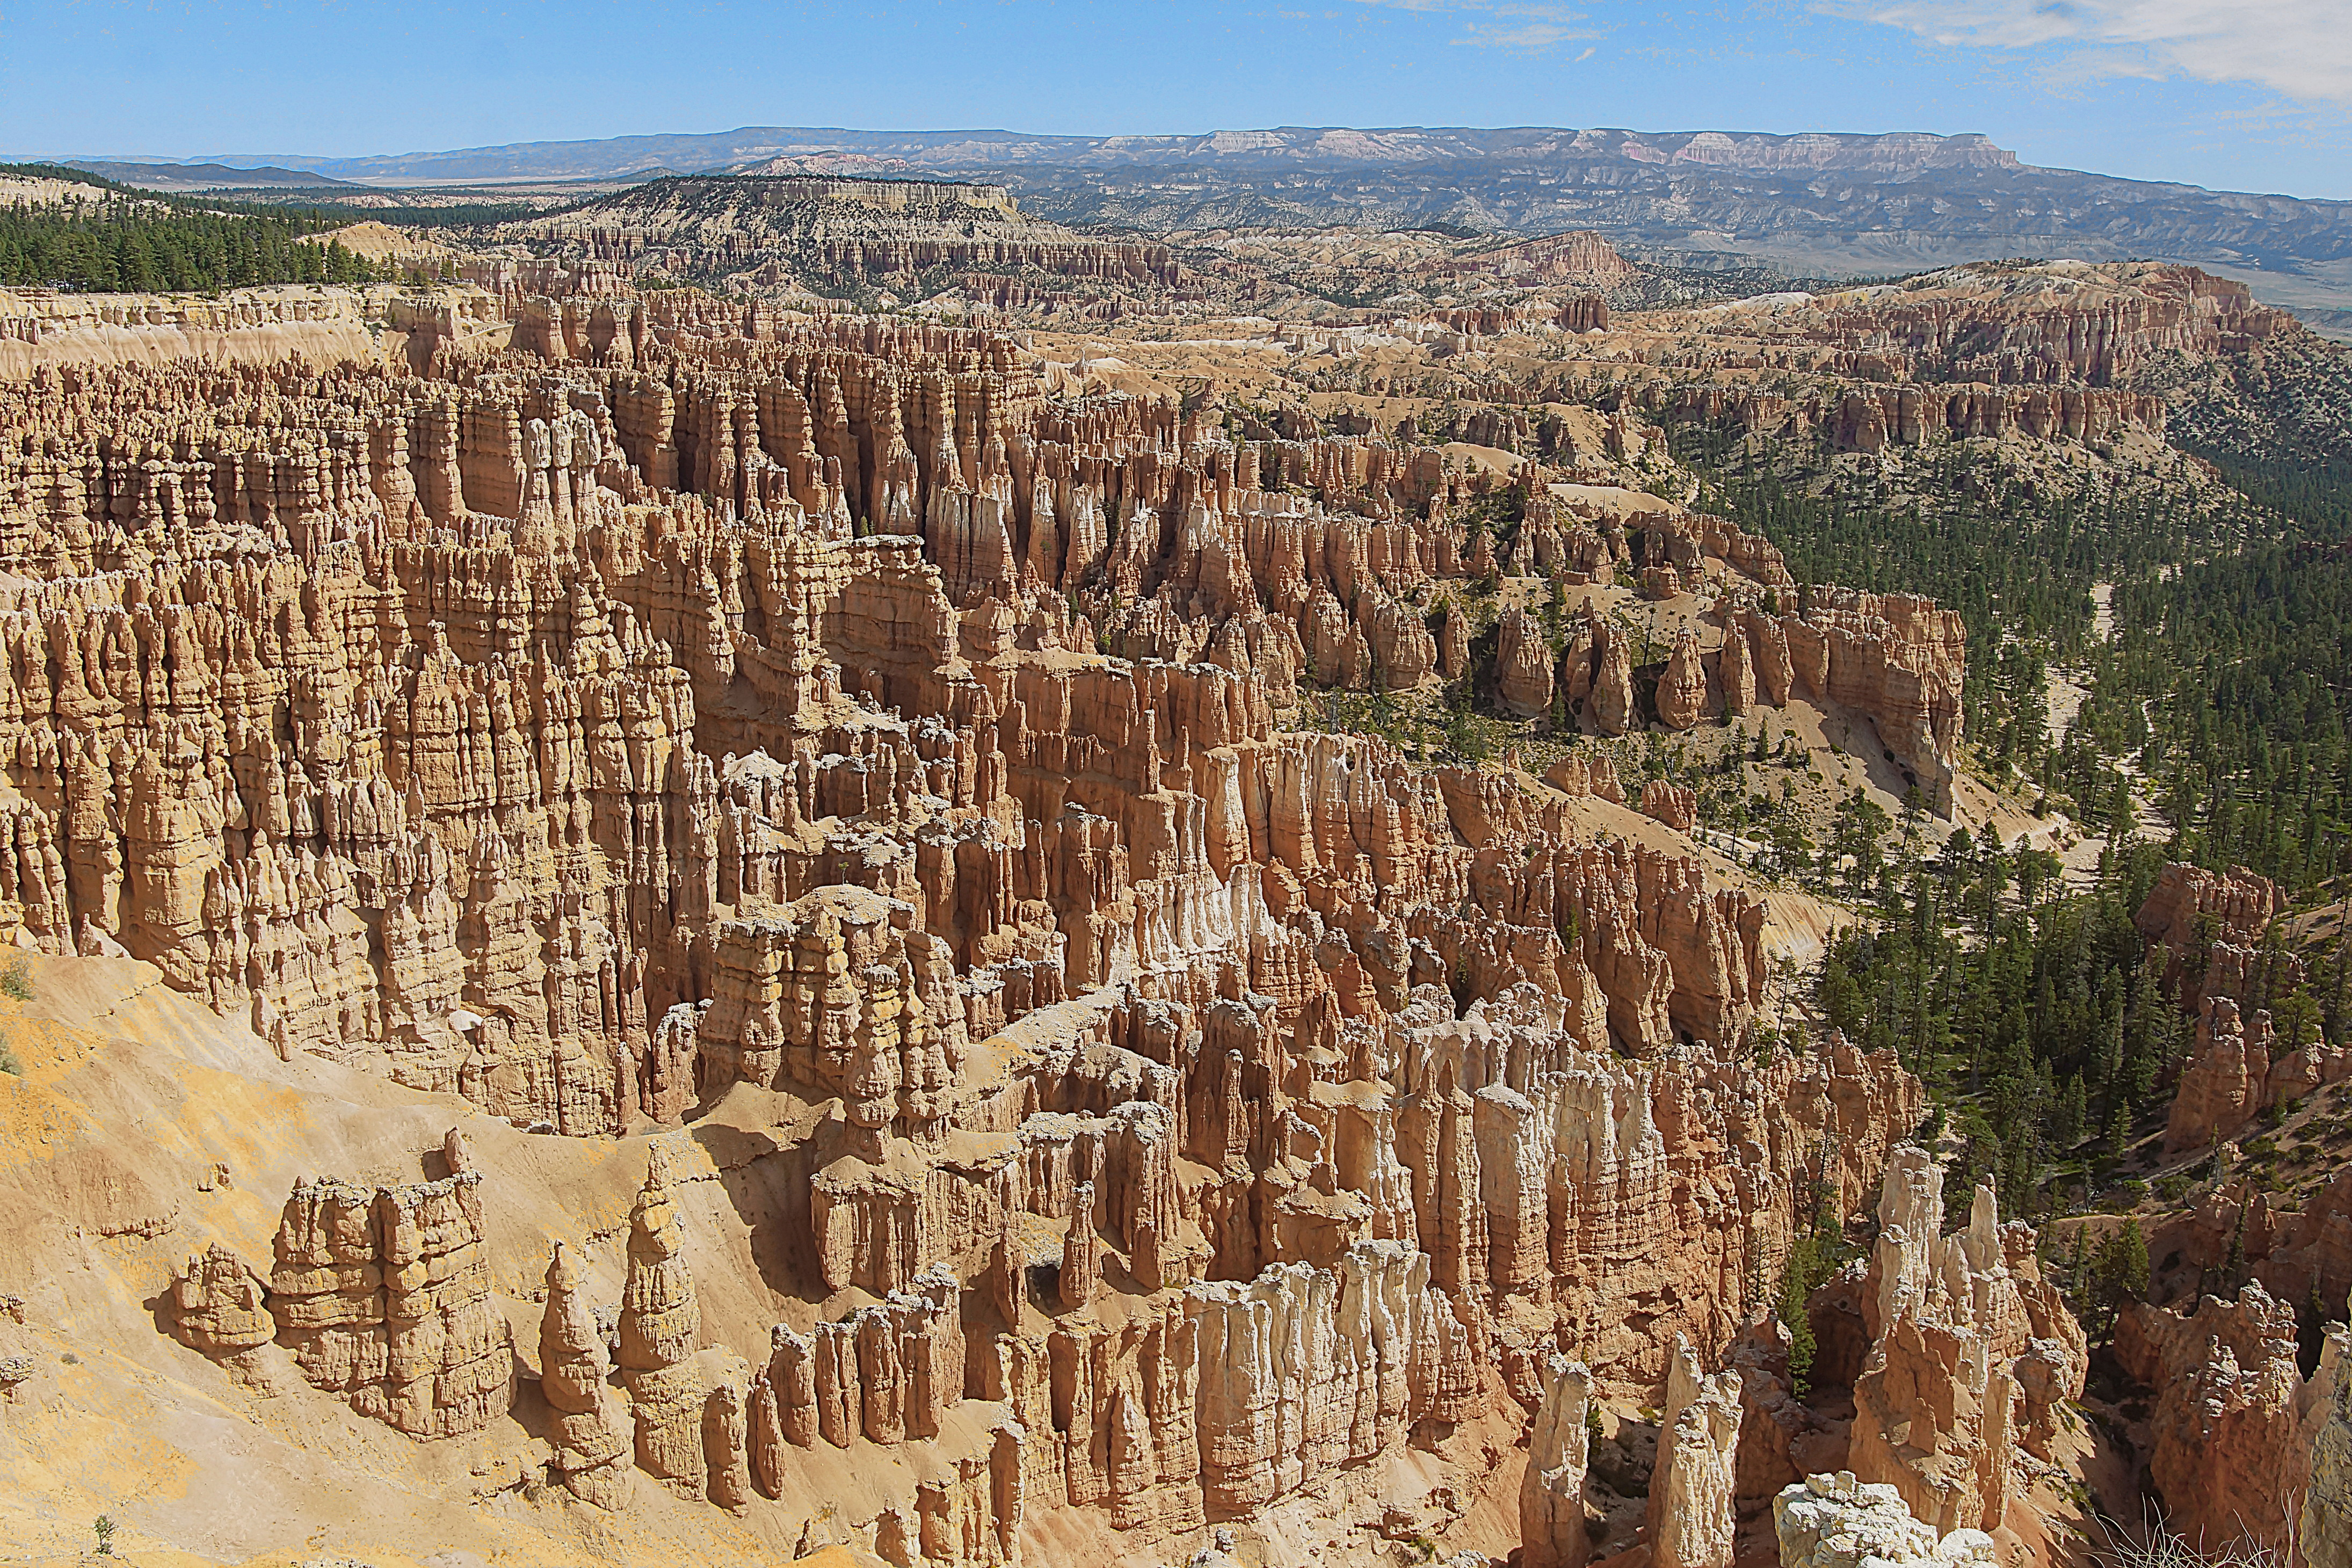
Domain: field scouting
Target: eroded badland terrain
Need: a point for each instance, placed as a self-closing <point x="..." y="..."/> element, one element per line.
<point x="774" y="866"/>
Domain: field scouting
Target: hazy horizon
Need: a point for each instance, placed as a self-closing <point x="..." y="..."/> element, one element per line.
<point x="2253" y="98"/>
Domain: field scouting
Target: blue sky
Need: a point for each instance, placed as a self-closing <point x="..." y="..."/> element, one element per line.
<point x="2243" y="94"/>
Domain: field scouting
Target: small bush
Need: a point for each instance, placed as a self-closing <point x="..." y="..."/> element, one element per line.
<point x="103" y="1528"/>
<point x="17" y="980"/>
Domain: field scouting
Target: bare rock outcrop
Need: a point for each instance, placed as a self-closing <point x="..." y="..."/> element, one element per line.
<point x="2236" y="1070"/>
<point x="2327" y="1523"/>
<point x="1682" y="688"/>
<point x="2210" y="925"/>
<point x="2235" y="1425"/>
<point x="1587" y="775"/>
<point x="1523" y="665"/>
<point x="2226" y="1081"/>
<point x="220" y="1306"/>
<point x="1834" y="1521"/>
<point x="1695" y="1479"/>
<point x="665" y="709"/>
<point x="1973" y="1354"/>
<point x="1303" y="1370"/>
<point x="660" y="1330"/>
<point x="384" y="1294"/>
<point x="1599" y="665"/>
<point x="1776" y="1430"/>
<point x="1551" y="1497"/>
<point x="1676" y="805"/>
<point x="594" y="1439"/>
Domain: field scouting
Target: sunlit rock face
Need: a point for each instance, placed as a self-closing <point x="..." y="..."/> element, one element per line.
<point x="817" y="729"/>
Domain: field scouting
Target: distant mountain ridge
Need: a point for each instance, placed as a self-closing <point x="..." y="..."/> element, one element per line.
<point x="1820" y="203"/>
<point x="166" y="176"/>
<point x="1287" y="147"/>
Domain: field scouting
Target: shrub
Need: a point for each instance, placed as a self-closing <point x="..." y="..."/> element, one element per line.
<point x="17" y="980"/>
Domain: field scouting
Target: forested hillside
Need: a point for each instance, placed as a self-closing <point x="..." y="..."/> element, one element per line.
<point x="2217" y="694"/>
<point x="120" y="240"/>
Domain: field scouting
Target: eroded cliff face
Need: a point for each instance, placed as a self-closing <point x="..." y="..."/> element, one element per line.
<point x="2208" y="924"/>
<point x="2235" y="1425"/>
<point x="1169" y="1113"/>
<point x="1973" y="1354"/>
<point x="2327" y="1523"/>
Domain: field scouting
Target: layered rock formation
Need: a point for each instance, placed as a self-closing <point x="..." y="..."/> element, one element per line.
<point x="1972" y="1353"/>
<point x="2210" y="925"/>
<point x="219" y="1306"/>
<point x="1695" y="1478"/>
<point x="2226" y="1081"/>
<point x="1552" y="1494"/>
<point x="660" y="1330"/>
<point x="1178" y="1112"/>
<point x="593" y="1439"/>
<point x="1676" y="805"/>
<point x="2235" y="1423"/>
<point x="382" y="1293"/>
<point x="2298" y="1253"/>
<point x="2326" y="1523"/>
<point x="779" y="224"/>
<point x="1896" y="659"/>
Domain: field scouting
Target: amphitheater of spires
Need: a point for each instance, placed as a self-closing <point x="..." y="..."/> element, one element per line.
<point x="688" y="720"/>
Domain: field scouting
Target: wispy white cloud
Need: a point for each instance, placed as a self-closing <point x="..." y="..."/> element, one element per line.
<point x="1523" y="26"/>
<point x="2302" y="49"/>
<point x="1526" y="37"/>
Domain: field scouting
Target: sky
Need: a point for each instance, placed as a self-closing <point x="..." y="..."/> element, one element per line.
<point x="2232" y="94"/>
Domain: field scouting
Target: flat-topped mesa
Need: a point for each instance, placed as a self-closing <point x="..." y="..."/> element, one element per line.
<point x="781" y="222"/>
<point x="2051" y="352"/>
<point x="1972" y="1353"/>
